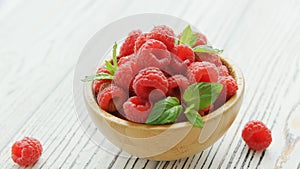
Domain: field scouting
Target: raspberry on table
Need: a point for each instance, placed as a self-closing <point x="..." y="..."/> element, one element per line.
<point x="111" y="98"/>
<point x="127" y="47"/>
<point x="137" y="109"/>
<point x="208" y="57"/>
<point x="177" y="85"/>
<point x="257" y="135"/>
<point x="153" y="53"/>
<point x="163" y="29"/>
<point x="97" y="84"/>
<point x="148" y="80"/>
<point x="202" y="72"/>
<point x="26" y="151"/>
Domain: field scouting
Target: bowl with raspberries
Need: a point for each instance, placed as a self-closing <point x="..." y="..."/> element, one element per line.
<point x="160" y="91"/>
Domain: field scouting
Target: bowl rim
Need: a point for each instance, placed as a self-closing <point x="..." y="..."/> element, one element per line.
<point x="234" y="71"/>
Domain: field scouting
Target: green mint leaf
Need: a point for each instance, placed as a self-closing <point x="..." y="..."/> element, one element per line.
<point x="202" y="94"/>
<point x="207" y="49"/>
<point x="110" y="67"/>
<point x="99" y="76"/>
<point x="188" y="37"/>
<point x="193" y="116"/>
<point x="115" y="56"/>
<point x="165" y="111"/>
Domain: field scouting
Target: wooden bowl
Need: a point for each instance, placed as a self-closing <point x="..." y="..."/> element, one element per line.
<point x="172" y="141"/>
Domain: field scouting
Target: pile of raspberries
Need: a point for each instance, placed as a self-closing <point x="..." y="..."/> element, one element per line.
<point x="154" y="65"/>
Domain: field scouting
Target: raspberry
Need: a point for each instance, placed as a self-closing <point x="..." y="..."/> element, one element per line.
<point x="124" y="59"/>
<point x="202" y="72"/>
<point x="163" y="29"/>
<point x="169" y="41"/>
<point x="201" y="39"/>
<point x="177" y="85"/>
<point x="97" y="84"/>
<point x="206" y="110"/>
<point x="223" y="71"/>
<point x="140" y="41"/>
<point x="26" y="152"/>
<point x="229" y="86"/>
<point x="149" y="79"/>
<point x="229" y="89"/>
<point x="111" y="98"/>
<point x="256" y="135"/>
<point x="184" y="52"/>
<point x="153" y="53"/>
<point x="208" y="57"/>
<point x="125" y="75"/>
<point x="127" y="47"/>
<point x="137" y="109"/>
<point x="177" y="66"/>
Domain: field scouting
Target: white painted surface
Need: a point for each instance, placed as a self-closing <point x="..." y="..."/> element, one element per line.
<point x="40" y="42"/>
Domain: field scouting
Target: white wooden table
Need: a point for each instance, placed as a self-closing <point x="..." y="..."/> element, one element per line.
<point x="40" y="42"/>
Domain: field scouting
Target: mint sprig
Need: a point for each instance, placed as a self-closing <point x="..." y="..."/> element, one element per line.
<point x="111" y="67"/>
<point x="188" y="37"/>
<point x="165" y="111"/>
<point x="99" y="76"/>
<point x="207" y="49"/>
<point x="202" y="94"/>
<point x="193" y="116"/>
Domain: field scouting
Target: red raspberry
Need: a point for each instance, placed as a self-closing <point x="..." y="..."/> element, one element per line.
<point x="229" y="86"/>
<point x="223" y="71"/>
<point x="257" y="135"/>
<point x="201" y="39"/>
<point x="169" y="41"/>
<point x="98" y="83"/>
<point x="125" y="75"/>
<point x="177" y="66"/>
<point x="111" y="98"/>
<point x="202" y="72"/>
<point x="153" y="53"/>
<point x="182" y="58"/>
<point x="124" y="59"/>
<point x="209" y="57"/>
<point x="127" y="47"/>
<point x="206" y="110"/>
<point x="177" y="85"/>
<point x="140" y="41"/>
<point x="137" y="109"/>
<point x="149" y="79"/>
<point x="27" y="151"/>
<point x="184" y="52"/>
<point x="163" y="29"/>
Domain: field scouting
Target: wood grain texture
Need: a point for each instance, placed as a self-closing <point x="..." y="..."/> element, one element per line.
<point x="40" y="42"/>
